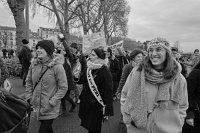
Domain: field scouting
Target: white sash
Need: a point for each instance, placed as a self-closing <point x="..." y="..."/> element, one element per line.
<point x="94" y="90"/>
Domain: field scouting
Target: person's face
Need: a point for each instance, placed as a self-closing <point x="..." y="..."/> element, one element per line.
<point x="138" y="58"/>
<point x="157" y="55"/>
<point x="41" y="53"/>
<point x="74" y="51"/>
<point x="93" y="56"/>
<point x="108" y="55"/>
<point x="196" y="52"/>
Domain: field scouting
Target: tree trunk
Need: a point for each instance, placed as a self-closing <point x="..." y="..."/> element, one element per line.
<point x="17" y="7"/>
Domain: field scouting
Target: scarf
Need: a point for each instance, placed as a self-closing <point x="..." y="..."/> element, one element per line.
<point x="155" y="77"/>
<point x="97" y="64"/>
<point x="136" y="103"/>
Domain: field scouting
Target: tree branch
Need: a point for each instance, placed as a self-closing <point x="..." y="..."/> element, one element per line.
<point x="71" y="2"/>
<point x="45" y="6"/>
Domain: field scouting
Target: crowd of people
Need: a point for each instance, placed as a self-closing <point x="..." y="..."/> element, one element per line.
<point x="158" y="88"/>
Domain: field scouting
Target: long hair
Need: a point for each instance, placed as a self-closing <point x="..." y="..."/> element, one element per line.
<point x="169" y="66"/>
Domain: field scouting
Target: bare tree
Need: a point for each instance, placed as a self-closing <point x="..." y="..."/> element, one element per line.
<point x="115" y="14"/>
<point x="61" y="12"/>
<point x="110" y="16"/>
<point x="17" y="8"/>
<point x="90" y="15"/>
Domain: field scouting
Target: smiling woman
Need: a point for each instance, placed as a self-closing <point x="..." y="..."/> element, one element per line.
<point x="162" y="108"/>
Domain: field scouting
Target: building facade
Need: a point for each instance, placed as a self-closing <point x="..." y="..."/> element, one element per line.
<point x="45" y="33"/>
<point x="7" y="37"/>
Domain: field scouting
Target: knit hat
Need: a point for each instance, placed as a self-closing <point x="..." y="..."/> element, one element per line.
<point x="100" y="53"/>
<point x="161" y="42"/>
<point x="24" y="41"/>
<point x="47" y="45"/>
<point x="74" y="45"/>
<point x="135" y="52"/>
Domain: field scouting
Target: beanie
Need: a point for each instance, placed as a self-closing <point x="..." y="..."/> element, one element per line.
<point x="24" y="41"/>
<point x="47" y="45"/>
<point x="100" y="53"/>
<point x="74" y="45"/>
<point x="135" y="52"/>
<point x="161" y="42"/>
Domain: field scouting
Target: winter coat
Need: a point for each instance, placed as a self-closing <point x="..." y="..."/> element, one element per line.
<point x="169" y="108"/>
<point x="193" y="112"/>
<point x="126" y="71"/>
<point x="114" y="68"/>
<point x="25" y="57"/>
<point x="122" y="61"/>
<point x="46" y="96"/>
<point x="90" y="110"/>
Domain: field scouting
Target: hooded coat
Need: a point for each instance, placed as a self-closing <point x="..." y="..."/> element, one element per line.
<point x="46" y="96"/>
<point x="168" y="111"/>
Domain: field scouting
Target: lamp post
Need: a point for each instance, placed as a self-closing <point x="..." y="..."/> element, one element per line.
<point x="27" y="19"/>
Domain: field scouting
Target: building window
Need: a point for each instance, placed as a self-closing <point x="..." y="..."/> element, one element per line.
<point x="33" y="40"/>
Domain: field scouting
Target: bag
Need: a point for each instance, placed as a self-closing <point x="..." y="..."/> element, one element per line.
<point x="14" y="112"/>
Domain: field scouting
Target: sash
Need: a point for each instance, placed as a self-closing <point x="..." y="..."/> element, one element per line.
<point x="94" y="90"/>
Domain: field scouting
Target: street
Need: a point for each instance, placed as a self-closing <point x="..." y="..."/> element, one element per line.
<point x="69" y="122"/>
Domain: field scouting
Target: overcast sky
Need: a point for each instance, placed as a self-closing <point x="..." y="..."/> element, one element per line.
<point x="175" y="20"/>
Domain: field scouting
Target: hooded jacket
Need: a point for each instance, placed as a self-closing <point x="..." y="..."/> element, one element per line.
<point x="46" y="96"/>
<point x="170" y="106"/>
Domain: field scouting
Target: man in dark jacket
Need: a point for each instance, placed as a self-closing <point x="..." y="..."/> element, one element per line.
<point x="25" y="59"/>
<point x="114" y="67"/>
<point x="192" y="121"/>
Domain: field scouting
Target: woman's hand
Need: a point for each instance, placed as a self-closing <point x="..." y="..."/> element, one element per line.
<point x="190" y="122"/>
<point x="105" y="118"/>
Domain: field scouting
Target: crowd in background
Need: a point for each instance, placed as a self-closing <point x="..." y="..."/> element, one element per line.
<point x="118" y="64"/>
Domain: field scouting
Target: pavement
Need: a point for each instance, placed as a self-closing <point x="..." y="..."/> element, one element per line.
<point x="70" y="122"/>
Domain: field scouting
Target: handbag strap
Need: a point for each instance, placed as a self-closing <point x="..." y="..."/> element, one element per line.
<point x="40" y="77"/>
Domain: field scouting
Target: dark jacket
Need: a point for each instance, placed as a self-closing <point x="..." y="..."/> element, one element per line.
<point x="114" y="68"/>
<point x="68" y="71"/>
<point x="122" y="62"/>
<point x="193" y="85"/>
<point x="25" y="57"/>
<point x="126" y="71"/>
<point x="90" y="110"/>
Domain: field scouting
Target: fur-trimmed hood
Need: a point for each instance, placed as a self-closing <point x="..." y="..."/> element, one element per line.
<point x="57" y="59"/>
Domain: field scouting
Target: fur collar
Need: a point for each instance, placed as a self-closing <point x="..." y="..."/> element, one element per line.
<point x="57" y="59"/>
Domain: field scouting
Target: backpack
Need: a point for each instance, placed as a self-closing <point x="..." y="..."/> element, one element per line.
<point x="14" y="112"/>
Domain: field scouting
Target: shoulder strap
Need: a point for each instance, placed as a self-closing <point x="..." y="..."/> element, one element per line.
<point x="40" y="77"/>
